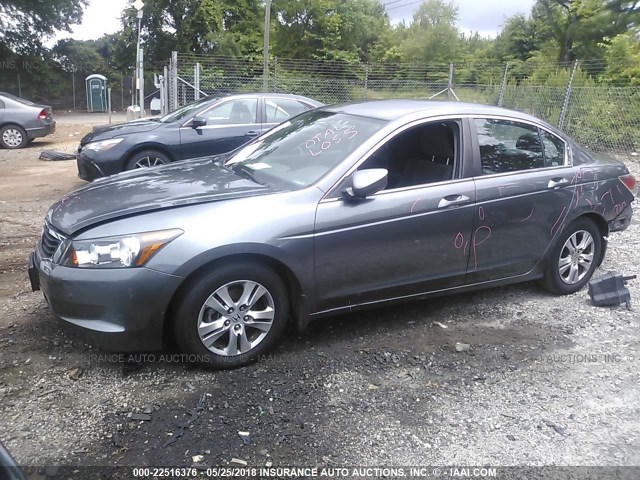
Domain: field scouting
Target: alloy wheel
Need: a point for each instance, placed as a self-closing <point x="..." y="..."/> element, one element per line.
<point x="576" y="257"/>
<point x="236" y="318"/>
<point x="12" y="137"/>
<point x="149" y="161"/>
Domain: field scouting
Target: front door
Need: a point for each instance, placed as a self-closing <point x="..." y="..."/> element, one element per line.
<point x="411" y="238"/>
<point x="229" y="124"/>
<point x="524" y="195"/>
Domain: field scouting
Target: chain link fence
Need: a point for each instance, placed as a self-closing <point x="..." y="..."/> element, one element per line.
<point x="599" y="116"/>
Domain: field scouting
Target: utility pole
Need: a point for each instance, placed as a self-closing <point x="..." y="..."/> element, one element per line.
<point x="139" y="5"/>
<point x="265" y="52"/>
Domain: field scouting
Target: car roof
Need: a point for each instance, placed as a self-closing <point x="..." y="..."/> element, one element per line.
<point x="393" y="109"/>
<point x="270" y="95"/>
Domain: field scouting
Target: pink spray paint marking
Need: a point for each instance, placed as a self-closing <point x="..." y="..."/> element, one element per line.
<point x="530" y="215"/>
<point x="608" y="192"/>
<point x="476" y="243"/>
<point x="458" y="242"/>
<point x="558" y="220"/>
<point x="481" y="213"/>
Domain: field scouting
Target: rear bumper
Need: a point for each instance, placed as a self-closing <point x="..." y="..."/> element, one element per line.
<point x="622" y="221"/>
<point x="119" y="309"/>
<point x="43" y="131"/>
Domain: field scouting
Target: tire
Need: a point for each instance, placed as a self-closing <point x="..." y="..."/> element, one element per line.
<point x="13" y="136"/>
<point x="201" y="317"/>
<point x="576" y="270"/>
<point x="146" y="159"/>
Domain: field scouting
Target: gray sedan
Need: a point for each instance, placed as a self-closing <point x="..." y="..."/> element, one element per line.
<point x="21" y="121"/>
<point x="342" y="207"/>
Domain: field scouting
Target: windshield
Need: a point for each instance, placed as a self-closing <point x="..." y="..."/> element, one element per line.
<point x="302" y="150"/>
<point x="185" y="111"/>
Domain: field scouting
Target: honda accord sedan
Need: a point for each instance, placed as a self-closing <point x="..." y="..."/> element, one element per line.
<point x="209" y="126"/>
<point x="338" y="208"/>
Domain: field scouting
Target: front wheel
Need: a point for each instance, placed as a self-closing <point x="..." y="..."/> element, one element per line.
<point x="146" y="159"/>
<point x="231" y="315"/>
<point x="574" y="258"/>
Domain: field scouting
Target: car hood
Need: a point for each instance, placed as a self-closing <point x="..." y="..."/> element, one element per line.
<point x="145" y="190"/>
<point x="106" y="132"/>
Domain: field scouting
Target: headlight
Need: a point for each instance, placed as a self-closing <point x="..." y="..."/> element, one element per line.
<point x="103" y="145"/>
<point x="117" y="252"/>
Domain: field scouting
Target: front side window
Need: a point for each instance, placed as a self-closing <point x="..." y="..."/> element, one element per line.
<point x="420" y="155"/>
<point x="508" y="146"/>
<point x="185" y="111"/>
<point x="233" y="112"/>
<point x="302" y="150"/>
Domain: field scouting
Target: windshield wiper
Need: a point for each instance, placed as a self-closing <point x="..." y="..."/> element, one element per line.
<point x="245" y="172"/>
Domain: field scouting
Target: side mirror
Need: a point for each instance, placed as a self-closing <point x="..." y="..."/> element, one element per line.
<point x="198" y="122"/>
<point x="367" y="182"/>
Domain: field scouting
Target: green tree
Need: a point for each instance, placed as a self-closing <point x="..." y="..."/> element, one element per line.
<point x="579" y="26"/>
<point x="623" y="59"/>
<point x="328" y="29"/>
<point x="219" y="27"/>
<point x="433" y="36"/>
<point x="77" y="55"/>
<point x="24" y="24"/>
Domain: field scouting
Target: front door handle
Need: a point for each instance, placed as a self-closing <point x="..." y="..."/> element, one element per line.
<point x="453" y="201"/>
<point x="252" y="133"/>
<point x="557" y="182"/>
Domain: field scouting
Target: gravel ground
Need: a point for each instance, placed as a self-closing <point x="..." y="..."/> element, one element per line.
<point x="547" y="380"/>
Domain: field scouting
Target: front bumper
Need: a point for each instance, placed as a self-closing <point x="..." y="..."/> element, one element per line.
<point x="92" y="166"/>
<point x="121" y="309"/>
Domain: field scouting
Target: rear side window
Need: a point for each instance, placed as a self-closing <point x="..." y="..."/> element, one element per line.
<point x="508" y="146"/>
<point x="280" y="109"/>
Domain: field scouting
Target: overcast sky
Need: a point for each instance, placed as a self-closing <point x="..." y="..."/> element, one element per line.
<point x="484" y="16"/>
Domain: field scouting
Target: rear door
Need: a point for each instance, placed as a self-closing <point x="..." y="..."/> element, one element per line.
<point x="524" y="194"/>
<point x="230" y="123"/>
<point x="277" y="110"/>
<point x="2" y="109"/>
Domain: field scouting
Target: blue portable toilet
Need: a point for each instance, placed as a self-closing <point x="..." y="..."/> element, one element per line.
<point x="96" y="93"/>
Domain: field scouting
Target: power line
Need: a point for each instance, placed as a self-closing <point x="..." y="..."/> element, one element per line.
<point x="405" y="5"/>
<point x="391" y="3"/>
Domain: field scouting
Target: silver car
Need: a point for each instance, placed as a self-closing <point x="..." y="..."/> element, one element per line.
<point x="341" y="207"/>
<point x="22" y="121"/>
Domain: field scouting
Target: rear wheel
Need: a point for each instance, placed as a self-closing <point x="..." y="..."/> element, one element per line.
<point x="231" y="315"/>
<point x="13" y="136"/>
<point x="574" y="258"/>
<point x="146" y="159"/>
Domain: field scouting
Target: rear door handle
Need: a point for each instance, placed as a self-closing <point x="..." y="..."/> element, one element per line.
<point x="453" y="201"/>
<point x="252" y="133"/>
<point x="557" y="182"/>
